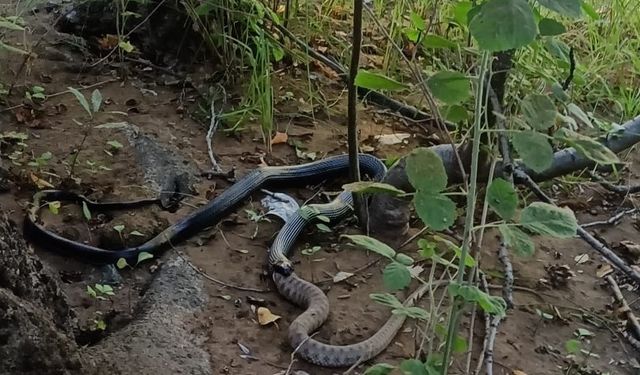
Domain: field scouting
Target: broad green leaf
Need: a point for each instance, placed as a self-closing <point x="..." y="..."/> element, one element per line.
<point x="590" y="148"/>
<point x="96" y="100"/>
<point x="374" y="81"/>
<point x="142" y="256"/>
<point x="573" y="346"/>
<point x="81" y="99"/>
<point x="417" y="21"/>
<point x="550" y="27"/>
<point x="569" y="8"/>
<point x="437" y="211"/>
<point x="502" y="25"/>
<point x="558" y="93"/>
<point x="517" y="240"/>
<point x="404" y="259"/>
<point x="412" y="34"/>
<point x="372" y="244"/>
<point x="372" y="187"/>
<point x="503" y="198"/>
<point x="455" y="113"/>
<point x="121" y="263"/>
<point x="379" y="369"/>
<point x="449" y="87"/>
<point x="54" y="207"/>
<point x="460" y="11"/>
<point x="323" y="228"/>
<point x="386" y="299"/>
<point x="412" y="312"/>
<point x="436" y="41"/>
<point x="538" y="111"/>
<point x="550" y="220"/>
<point x="413" y="367"/>
<point x="534" y="149"/>
<point x="396" y="276"/>
<point x="579" y="114"/>
<point x="490" y="304"/>
<point x="558" y="49"/>
<point x="426" y="171"/>
<point x="85" y="211"/>
<point x="12" y="49"/>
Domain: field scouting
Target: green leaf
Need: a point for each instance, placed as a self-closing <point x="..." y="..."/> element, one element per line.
<point x="490" y="304"/>
<point x="583" y="332"/>
<point x="550" y="27"/>
<point x="569" y="8"/>
<point x="91" y="292"/>
<point x="427" y="249"/>
<point x="126" y="46"/>
<point x="311" y="251"/>
<point x="455" y="113"/>
<point x="579" y="114"/>
<point x="413" y="367"/>
<point x="404" y="259"/>
<point x="54" y="207"/>
<point x="503" y="198"/>
<point x="426" y="171"/>
<point x="517" y="240"/>
<point x="136" y="233"/>
<point x="379" y="369"/>
<point x="396" y="276"/>
<point x="588" y="147"/>
<point x="573" y="346"/>
<point x="547" y="219"/>
<point x="558" y="93"/>
<point x="119" y="228"/>
<point x="436" y="41"/>
<point x="85" y="211"/>
<point x="460" y="11"/>
<point x="122" y="263"/>
<point x="539" y="111"/>
<point x="81" y="99"/>
<point x="534" y="149"/>
<point x="386" y="299"/>
<point x="115" y="145"/>
<point x="142" y="256"/>
<point x="372" y="244"/>
<point x="449" y="87"/>
<point x="503" y="25"/>
<point x="12" y="49"/>
<point x="374" y="81"/>
<point x="417" y="21"/>
<point x="372" y="187"/>
<point x="323" y="228"/>
<point x="412" y="312"/>
<point x="558" y="49"/>
<point x="96" y="100"/>
<point x="588" y="9"/>
<point x="436" y="210"/>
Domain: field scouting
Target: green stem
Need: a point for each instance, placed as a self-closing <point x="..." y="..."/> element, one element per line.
<point x="457" y="304"/>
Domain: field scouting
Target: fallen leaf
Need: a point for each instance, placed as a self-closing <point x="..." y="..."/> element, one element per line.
<point x="518" y="372"/>
<point x="416" y="270"/>
<point x="265" y="316"/>
<point x="581" y="259"/>
<point x="341" y="276"/>
<point x="108" y="42"/>
<point x="40" y="183"/>
<point x="632" y="247"/>
<point x="392" y="139"/>
<point x="244" y="349"/>
<point x="326" y="71"/>
<point x="280" y="137"/>
<point x="605" y="270"/>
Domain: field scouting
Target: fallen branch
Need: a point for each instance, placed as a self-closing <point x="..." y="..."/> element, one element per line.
<point x="503" y="256"/>
<point x="607" y="253"/>
<point x="614" y="220"/>
<point x="634" y="324"/>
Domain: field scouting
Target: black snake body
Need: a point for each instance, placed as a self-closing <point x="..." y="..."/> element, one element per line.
<point x="295" y="289"/>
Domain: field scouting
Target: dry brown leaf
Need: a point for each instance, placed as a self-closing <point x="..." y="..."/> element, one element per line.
<point x="392" y="139"/>
<point x="265" y="316"/>
<point x="40" y="183"/>
<point x="340" y="276"/>
<point x="280" y="137"/>
<point x="604" y="270"/>
<point x="108" y="42"/>
<point x="518" y="372"/>
<point x="325" y="70"/>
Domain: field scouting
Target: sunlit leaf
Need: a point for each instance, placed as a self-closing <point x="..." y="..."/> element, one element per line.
<point x="550" y="220"/>
<point x="503" y="25"/>
<point x="374" y="81"/>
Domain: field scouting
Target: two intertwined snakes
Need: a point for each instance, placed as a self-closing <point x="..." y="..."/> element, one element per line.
<point x="293" y="288"/>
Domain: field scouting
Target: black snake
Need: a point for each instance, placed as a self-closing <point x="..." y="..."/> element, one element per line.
<point x="287" y="282"/>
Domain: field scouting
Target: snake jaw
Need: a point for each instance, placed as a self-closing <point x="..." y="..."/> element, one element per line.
<point x="283" y="267"/>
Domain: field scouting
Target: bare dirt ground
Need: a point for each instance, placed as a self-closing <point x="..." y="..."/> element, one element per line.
<point x="235" y="251"/>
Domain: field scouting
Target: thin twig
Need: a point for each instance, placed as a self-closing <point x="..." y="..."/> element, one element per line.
<point x="634" y="324"/>
<point x="503" y="256"/>
<point x="213" y="127"/>
<point x="607" y="253"/>
<point x="614" y="220"/>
